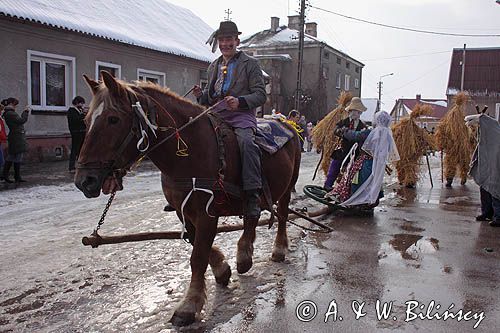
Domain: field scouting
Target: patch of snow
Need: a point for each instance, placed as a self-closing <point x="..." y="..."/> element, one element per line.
<point x="153" y="24"/>
<point x="438" y="103"/>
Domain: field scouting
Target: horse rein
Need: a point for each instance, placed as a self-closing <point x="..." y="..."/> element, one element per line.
<point x="139" y="116"/>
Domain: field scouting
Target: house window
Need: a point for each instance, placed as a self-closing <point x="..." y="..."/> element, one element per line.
<point x="151" y="76"/>
<point x="339" y="61"/>
<point x="347" y="64"/>
<point x="347" y="81"/>
<point x="113" y="69"/>
<point x="356" y="83"/>
<point x="357" y="69"/>
<point x="338" y="83"/>
<point x="51" y="80"/>
<point x="326" y="55"/>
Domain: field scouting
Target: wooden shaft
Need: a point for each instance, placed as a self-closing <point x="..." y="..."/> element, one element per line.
<point x="95" y="240"/>
<point x="305" y="217"/>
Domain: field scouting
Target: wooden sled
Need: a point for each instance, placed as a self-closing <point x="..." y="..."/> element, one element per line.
<point x="317" y="193"/>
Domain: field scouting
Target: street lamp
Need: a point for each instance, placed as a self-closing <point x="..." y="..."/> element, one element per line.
<point x="380" y="89"/>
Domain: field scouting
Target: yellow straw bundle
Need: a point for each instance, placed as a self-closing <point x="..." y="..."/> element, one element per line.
<point x="412" y="143"/>
<point x="452" y="135"/>
<point x="322" y="134"/>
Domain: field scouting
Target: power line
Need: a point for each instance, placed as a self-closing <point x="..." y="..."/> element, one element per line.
<point x="418" y="78"/>
<point x="406" y="56"/>
<point x="405" y="29"/>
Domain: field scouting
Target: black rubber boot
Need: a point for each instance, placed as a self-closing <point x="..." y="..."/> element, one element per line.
<point x="448" y="182"/>
<point x="17" y="173"/>
<point x="252" y="204"/>
<point x="6" y="170"/>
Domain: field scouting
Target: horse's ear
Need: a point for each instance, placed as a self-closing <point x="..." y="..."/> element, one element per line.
<point x="484" y="109"/>
<point x="477" y="109"/>
<point x="93" y="85"/>
<point x="110" y="83"/>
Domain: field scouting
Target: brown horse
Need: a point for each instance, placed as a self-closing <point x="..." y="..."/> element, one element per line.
<point x="111" y="144"/>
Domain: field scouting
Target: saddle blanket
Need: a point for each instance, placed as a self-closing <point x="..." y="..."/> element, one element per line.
<point x="272" y="135"/>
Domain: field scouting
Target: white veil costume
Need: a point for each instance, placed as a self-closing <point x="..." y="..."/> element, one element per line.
<point x="381" y="146"/>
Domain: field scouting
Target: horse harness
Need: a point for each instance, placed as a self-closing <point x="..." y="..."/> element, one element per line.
<point x="144" y="120"/>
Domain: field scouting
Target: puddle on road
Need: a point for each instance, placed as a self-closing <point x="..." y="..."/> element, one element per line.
<point x="410" y="228"/>
<point x="464" y="200"/>
<point x="408" y="247"/>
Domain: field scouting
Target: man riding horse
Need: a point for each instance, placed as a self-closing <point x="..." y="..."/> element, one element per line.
<point x="237" y="78"/>
<point x="120" y="120"/>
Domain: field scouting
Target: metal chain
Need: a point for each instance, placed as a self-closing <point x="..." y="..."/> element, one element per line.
<point x="101" y="220"/>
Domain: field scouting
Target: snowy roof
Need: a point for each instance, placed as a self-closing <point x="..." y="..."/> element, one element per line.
<point x="439" y="106"/>
<point x="284" y="37"/>
<point x="153" y="24"/>
<point x="284" y="57"/>
<point x="439" y="103"/>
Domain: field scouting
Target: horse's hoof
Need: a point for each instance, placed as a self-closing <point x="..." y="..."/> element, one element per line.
<point x="278" y="257"/>
<point x="244" y="266"/>
<point x="182" y="318"/>
<point x="223" y="279"/>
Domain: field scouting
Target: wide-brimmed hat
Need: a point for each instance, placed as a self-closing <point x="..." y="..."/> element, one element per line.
<point x="227" y="28"/>
<point x="356" y="104"/>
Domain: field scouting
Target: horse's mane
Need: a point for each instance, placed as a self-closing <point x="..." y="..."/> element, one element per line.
<point x="174" y="100"/>
<point x="164" y="96"/>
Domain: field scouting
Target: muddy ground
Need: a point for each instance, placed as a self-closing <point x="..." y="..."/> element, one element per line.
<point x="420" y="246"/>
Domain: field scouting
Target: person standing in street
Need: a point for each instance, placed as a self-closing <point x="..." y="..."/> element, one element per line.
<point x="16" y="138"/>
<point x="77" y="128"/>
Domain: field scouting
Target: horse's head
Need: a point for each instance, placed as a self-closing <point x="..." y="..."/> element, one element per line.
<point x="110" y="142"/>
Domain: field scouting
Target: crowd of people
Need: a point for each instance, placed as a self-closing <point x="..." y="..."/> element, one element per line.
<point x="16" y="141"/>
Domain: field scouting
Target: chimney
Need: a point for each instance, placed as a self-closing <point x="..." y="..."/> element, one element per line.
<point x="275" y="23"/>
<point x="311" y="29"/>
<point x="294" y="22"/>
<point x="418" y="97"/>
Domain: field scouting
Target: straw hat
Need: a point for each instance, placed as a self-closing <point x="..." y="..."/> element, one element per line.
<point x="356" y="104"/>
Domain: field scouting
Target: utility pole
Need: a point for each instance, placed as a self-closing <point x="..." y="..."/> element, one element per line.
<point x="380" y="90"/>
<point x="379" y="86"/>
<point x="298" y="92"/>
<point x="463" y="70"/>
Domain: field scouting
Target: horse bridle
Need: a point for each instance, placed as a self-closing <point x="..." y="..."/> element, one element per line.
<point x="117" y="163"/>
<point x="137" y="122"/>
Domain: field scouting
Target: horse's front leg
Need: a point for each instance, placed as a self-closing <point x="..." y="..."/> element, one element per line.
<point x="217" y="260"/>
<point x="195" y="297"/>
<point x="281" y="242"/>
<point x="245" y="245"/>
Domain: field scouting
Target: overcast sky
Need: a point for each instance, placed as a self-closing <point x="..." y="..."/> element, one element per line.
<point x="424" y="74"/>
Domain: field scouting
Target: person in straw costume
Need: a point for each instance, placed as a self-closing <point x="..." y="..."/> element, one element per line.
<point x="322" y="133"/>
<point x="413" y="142"/>
<point x="452" y="138"/>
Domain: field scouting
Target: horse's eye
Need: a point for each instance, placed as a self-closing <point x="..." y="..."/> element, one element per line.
<point x="113" y="120"/>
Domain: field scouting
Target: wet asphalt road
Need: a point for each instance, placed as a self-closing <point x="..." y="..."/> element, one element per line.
<point x="420" y="246"/>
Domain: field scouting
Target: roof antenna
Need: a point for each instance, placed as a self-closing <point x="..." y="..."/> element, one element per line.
<point x="228" y="13"/>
